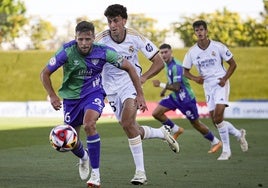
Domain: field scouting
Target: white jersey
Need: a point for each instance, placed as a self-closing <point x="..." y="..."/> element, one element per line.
<point x="115" y="79"/>
<point x="209" y="62"/>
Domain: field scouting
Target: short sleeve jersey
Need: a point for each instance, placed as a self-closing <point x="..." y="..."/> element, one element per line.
<point x="209" y="62"/>
<point x="82" y="74"/>
<point x="174" y="72"/>
<point x="134" y="42"/>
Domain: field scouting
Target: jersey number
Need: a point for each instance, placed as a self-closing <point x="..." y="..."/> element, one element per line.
<point x="112" y="106"/>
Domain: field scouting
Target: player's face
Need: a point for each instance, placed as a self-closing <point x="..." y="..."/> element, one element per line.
<point x="84" y="41"/>
<point x="200" y="32"/>
<point x="117" y="26"/>
<point x="166" y="54"/>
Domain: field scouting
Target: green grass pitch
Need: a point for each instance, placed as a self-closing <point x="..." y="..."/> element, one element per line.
<point x="27" y="160"/>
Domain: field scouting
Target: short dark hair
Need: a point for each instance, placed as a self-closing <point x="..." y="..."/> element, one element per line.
<point x="85" y="26"/>
<point x="116" y="10"/>
<point x="199" y="23"/>
<point x="163" y="46"/>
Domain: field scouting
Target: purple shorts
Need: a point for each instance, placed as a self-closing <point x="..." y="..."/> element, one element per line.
<point x="74" y="109"/>
<point x="189" y="108"/>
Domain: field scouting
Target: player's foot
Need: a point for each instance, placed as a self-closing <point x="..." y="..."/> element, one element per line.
<point x="214" y="148"/>
<point x="139" y="178"/>
<point x="243" y="141"/>
<point x="224" y="156"/>
<point x="84" y="168"/>
<point x="178" y="133"/>
<point x="173" y="144"/>
<point x="94" y="181"/>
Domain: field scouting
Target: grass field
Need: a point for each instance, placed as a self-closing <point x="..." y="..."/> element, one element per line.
<point x="27" y="160"/>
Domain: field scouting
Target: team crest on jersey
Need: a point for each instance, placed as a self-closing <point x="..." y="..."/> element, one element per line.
<point x="131" y="49"/>
<point x="228" y="53"/>
<point x="76" y="62"/>
<point x="52" y="61"/>
<point x="95" y="61"/>
<point x="149" y="47"/>
<point x="213" y="53"/>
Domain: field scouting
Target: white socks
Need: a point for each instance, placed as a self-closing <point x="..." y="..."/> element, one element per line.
<point x="150" y="132"/>
<point x="135" y="145"/>
<point x="232" y="130"/>
<point x="224" y="134"/>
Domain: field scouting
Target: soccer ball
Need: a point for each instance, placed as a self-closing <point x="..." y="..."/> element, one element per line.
<point x="63" y="138"/>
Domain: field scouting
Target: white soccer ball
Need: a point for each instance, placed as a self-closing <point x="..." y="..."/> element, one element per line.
<point x="63" y="138"/>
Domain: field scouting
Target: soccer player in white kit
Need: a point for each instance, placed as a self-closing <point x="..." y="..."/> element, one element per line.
<point x="208" y="56"/>
<point x="119" y="89"/>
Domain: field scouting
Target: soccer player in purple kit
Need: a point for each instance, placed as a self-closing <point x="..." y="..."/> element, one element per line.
<point x="82" y="92"/>
<point x="181" y="98"/>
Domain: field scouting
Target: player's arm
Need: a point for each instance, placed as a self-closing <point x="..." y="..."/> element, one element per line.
<point x="190" y="76"/>
<point x="155" y="68"/>
<point x="126" y="65"/>
<point x="46" y="81"/>
<point x="229" y="72"/>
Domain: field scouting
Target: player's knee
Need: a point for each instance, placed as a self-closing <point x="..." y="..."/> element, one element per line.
<point x="90" y="127"/>
<point x="155" y="114"/>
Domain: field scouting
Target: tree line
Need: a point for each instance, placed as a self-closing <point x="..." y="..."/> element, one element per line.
<point x="223" y="25"/>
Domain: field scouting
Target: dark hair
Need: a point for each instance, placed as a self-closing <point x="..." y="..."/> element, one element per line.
<point x="163" y="46"/>
<point x="85" y="26"/>
<point x="116" y="10"/>
<point x="199" y="23"/>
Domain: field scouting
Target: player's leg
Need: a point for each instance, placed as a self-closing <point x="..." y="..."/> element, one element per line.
<point x="163" y="132"/>
<point x="74" y="117"/>
<point x="93" y="107"/>
<point x="217" y="118"/>
<point x="93" y="145"/>
<point x="216" y="144"/>
<point x="128" y="123"/>
<point x="164" y="106"/>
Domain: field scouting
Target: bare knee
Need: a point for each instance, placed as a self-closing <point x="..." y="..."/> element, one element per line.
<point x="90" y="127"/>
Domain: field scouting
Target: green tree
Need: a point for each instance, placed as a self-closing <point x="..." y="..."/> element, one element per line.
<point x="227" y="27"/>
<point x="42" y="34"/>
<point x="146" y="26"/>
<point x="12" y="20"/>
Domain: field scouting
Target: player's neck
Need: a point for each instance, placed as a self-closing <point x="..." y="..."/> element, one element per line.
<point x="120" y="37"/>
<point x="203" y="44"/>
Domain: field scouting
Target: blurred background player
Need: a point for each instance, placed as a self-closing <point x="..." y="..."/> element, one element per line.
<point x="181" y="98"/>
<point x="82" y="91"/>
<point x="120" y="91"/>
<point x="208" y="55"/>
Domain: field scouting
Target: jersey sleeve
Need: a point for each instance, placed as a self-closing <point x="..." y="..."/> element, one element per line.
<point x="226" y="54"/>
<point x="147" y="47"/>
<point x="187" y="61"/>
<point x="57" y="60"/>
<point x="114" y="58"/>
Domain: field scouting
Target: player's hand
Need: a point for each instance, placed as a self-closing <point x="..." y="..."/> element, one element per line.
<point x="141" y="103"/>
<point x="199" y="79"/>
<point x="162" y="93"/>
<point x="55" y="102"/>
<point x="222" y="82"/>
<point x="142" y="79"/>
<point x="156" y="83"/>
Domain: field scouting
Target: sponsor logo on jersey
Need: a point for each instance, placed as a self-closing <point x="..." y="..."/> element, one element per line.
<point x="131" y="49"/>
<point x="213" y="53"/>
<point x="148" y="47"/>
<point x="52" y="61"/>
<point x="76" y="62"/>
<point x="95" y="61"/>
<point x="228" y="53"/>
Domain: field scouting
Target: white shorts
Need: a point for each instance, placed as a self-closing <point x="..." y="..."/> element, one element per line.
<point x="116" y="100"/>
<point x="215" y="94"/>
